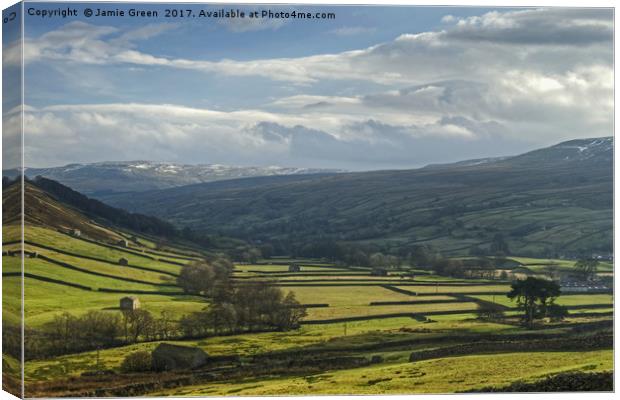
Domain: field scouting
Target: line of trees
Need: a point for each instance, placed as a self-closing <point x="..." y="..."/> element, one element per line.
<point x="68" y="333"/>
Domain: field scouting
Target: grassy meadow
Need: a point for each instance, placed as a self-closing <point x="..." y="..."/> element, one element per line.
<point x="343" y="322"/>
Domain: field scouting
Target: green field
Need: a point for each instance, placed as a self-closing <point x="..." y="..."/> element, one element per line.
<point x="434" y="376"/>
<point x="308" y="336"/>
<point x="63" y="242"/>
<point x="44" y="300"/>
<point x="473" y="288"/>
<point x="539" y="264"/>
<point x="572" y="300"/>
<point x="347" y="292"/>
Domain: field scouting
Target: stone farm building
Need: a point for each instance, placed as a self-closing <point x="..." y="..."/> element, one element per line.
<point x="294" y="268"/>
<point x="123" y="261"/>
<point x="167" y="357"/>
<point x="129" y="303"/>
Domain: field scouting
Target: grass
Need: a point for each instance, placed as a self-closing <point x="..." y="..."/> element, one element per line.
<point x="105" y="268"/>
<point x="446" y="375"/>
<point x="345" y="295"/>
<point x="11" y="295"/>
<point x="44" y="300"/>
<point x="395" y="375"/>
<point x="361" y="332"/>
<point x="284" y="268"/>
<point x="45" y="269"/>
<point x="572" y="300"/>
<point x="60" y="241"/>
<point x="503" y="289"/>
<point x="542" y="263"/>
<point x="356" y="311"/>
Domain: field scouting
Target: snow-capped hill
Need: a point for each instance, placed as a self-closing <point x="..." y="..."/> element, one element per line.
<point x="587" y="148"/>
<point x="135" y="176"/>
<point x="579" y="151"/>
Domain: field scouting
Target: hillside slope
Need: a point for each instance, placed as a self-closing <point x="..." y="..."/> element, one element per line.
<point x="41" y="209"/>
<point x="549" y="202"/>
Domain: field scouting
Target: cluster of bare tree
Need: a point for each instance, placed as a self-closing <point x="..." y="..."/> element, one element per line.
<point x="479" y="268"/>
<point x="586" y="269"/>
<point x="209" y="279"/>
<point x="234" y="308"/>
<point x="68" y="333"/>
<point x="249" y="307"/>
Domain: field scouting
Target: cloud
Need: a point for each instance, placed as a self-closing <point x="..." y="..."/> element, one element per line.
<point x="554" y="26"/>
<point x="482" y="86"/>
<point x="240" y="25"/>
<point x="183" y="134"/>
<point x="353" y="30"/>
<point x="387" y="146"/>
<point x="465" y="49"/>
<point x="12" y="54"/>
<point x="12" y="138"/>
<point x="145" y="32"/>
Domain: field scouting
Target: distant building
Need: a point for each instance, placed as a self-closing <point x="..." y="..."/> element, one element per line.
<point x="123" y="261"/>
<point x="294" y="268"/>
<point x="567" y="286"/>
<point x="168" y="357"/>
<point x="379" y="272"/>
<point x="603" y="257"/>
<point x="129" y="303"/>
<point x="75" y="232"/>
<point x="122" y="243"/>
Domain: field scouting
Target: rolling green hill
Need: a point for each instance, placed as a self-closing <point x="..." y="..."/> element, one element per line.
<point x="352" y="317"/>
<point x="550" y="202"/>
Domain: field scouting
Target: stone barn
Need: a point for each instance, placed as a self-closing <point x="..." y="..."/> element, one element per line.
<point x="129" y="303"/>
<point x="294" y="268"/>
<point x="122" y="243"/>
<point x="123" y="261"/>
<point x="168" y="357"/>
<point x="75" y="232"/>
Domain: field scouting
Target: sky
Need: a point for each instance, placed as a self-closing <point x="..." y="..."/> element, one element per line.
<point x="373" y="88"/>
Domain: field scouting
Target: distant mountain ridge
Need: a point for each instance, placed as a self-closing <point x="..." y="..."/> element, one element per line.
<point x="548" y="202"/>
<point x="572" y="150"/>
<point x="137" y="176"/>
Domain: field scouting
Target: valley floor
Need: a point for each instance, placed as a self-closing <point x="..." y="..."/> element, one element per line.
<point x="354" y="318"/>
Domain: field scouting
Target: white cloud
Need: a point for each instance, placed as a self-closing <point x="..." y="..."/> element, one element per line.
<point x="353" y="30"/>
<point x="513" y="78"/>
<point x="466" y="49"/>
<point x="553" y="26"/>
<point x="240" y="25"/>
<point x="177" y="133"/>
